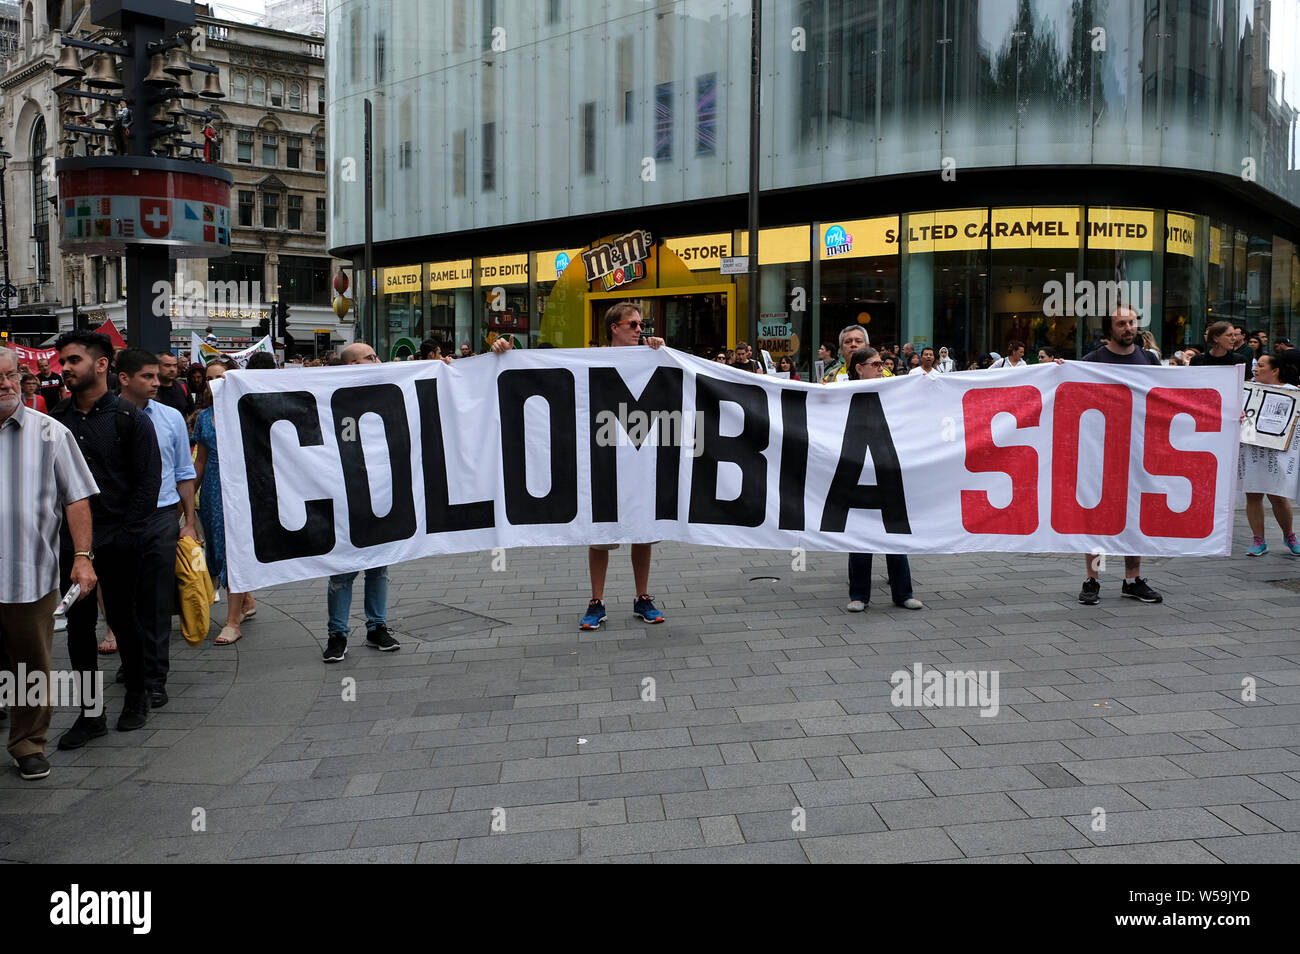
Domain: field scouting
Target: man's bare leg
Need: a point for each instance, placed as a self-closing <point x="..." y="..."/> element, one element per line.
<point x="598" y="565"/>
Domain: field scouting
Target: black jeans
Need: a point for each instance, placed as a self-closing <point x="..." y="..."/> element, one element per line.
<point x="900" y="577"/>
<point x="158" y="594"/>
<point x="118" y="568"/>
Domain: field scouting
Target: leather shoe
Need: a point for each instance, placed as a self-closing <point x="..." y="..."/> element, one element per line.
<point x="83" y="730"/>
<point x="157" y="698"/>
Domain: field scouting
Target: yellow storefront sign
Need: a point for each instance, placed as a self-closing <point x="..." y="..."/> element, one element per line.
<point x="955" y="231"/>
<point x="454" y="274"/>
<point x="776" y="246"/>
<point x="1216" y="245"/>
<point x="858" y="238"/>
<point x="703" y="252"/>
<point x="1180" y="234"/>
<point x="1131" y="229"/>
<point x="405" y="278"/>
<point x="504" y="269"/>
<point x="1026" y="227"/>
<point x="550" y="265"/>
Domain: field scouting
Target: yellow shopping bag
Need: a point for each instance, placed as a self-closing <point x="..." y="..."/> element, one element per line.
<point x="194" y="593"/>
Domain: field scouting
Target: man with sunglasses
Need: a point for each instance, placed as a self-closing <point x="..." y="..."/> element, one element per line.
<point x="625" y="326"/>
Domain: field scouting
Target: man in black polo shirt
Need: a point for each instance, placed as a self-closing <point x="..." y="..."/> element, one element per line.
<point x="119" y="445"/>
<point x="170" y="391"/>
<point x="1121" y="336"/>
<point x="51" y="384"/>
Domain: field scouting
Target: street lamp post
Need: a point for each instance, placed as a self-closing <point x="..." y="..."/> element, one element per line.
<point x="4" y="237"/>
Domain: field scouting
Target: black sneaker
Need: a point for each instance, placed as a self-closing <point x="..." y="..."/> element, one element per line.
<point x="158" y="698"/>
<point x="380" y="638"/>
<point x="83" y="730"/>
<point x="336" y="649"/>
<point x="1090" y="595"/>
<point x="1139" y="590"/>
<point x="32" y="767"/>
<point x="135" y="712"/>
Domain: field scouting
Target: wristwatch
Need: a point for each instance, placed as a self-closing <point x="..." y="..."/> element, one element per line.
<point x="88" y="554"/>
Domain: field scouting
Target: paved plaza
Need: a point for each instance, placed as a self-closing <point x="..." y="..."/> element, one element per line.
<point x="499" y="733"/>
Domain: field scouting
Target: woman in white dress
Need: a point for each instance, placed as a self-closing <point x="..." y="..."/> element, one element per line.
<point x="1276" y="473"/>
<point x="945" y="362"/>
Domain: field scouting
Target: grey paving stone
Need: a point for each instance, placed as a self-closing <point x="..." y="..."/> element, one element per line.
<point x="626" y="784"/>
<point x="293" y="841"/>
<point x="1128" y="746"/>
<point x="1030" y="834"/>
<point x="816" y="822"/>
<point x="976" y="781"/>
<point x="516" y="793"/>
<point x="1143" y="768"/>
<point x="756" y="773"/>
<point x="889" y="763"/>
<point x="519" y="849"/>
<point x="1080" y="800"/>
<point x="644" y="808"/>
<point x="729" y="801"/>
<point x="1009" y="753"/>
<point x="886" y="847"/>
<point x="948" y="810"/>
<point x="1279" y="849"/>
<point x="1285" y="815"/>
<point x="1244" y="819"/>
<point x="877" y="788"/>
<point x="1183" y="793"/>
<point x="1238" y="763"/>
<point x="645" y="836"/>
<point x="1161" y="853"/>
<point x="1164" y="824"/>
<point x="770" y="853"/>
<point x="721" y="830"/>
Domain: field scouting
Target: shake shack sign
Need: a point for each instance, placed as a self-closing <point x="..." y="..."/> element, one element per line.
<point x="620" y="261"/>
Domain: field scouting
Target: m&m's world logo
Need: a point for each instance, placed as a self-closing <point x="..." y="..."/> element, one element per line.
<point x="838" y="241"/>
<point x="561" y="263"/>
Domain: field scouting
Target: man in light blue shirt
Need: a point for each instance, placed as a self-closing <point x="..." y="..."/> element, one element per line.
<point x="137" y="372"/>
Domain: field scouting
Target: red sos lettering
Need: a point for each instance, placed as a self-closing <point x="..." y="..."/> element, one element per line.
<point x="1109" y="516"/>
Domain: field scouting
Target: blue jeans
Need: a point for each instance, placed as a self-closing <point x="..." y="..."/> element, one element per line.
<point x="900" y="577"/>
<point x="339" y="599"/>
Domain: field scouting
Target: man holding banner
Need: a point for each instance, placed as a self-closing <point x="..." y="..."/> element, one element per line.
<point x="625" y="324"/>
<point x="338" y="598"/>
<point x="1120" y="348"/>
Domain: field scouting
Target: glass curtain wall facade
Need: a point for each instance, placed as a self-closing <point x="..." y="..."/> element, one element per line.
<point x="490" y="114"/>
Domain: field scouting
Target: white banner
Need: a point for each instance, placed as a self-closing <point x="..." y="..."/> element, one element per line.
<point x="336" y="469"/>
<point x="201" y="352"/>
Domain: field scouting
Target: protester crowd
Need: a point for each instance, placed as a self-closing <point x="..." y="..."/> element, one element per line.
<point x="107" y="465"/>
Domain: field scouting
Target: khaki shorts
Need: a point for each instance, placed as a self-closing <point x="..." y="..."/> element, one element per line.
<point x="615" y="546"/>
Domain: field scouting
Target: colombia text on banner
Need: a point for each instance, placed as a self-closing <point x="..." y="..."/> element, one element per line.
<point x="334" y="469"/>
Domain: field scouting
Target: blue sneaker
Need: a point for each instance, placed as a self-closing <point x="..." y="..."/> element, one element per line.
<point x="1293" y="544"/>
<point x="644" y="607"/>
<point x="1259" y="549"/>
<point x="594" y="617"/>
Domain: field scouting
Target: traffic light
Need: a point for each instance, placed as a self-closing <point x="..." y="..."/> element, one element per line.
<point x="263" y="327"/>
<point x="282" y="328"/>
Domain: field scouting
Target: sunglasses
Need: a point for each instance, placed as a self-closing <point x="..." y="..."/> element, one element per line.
<point x="633" y="323"/>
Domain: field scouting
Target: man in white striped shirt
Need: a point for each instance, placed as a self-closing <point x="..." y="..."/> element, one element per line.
<point x="42" y="476"/>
